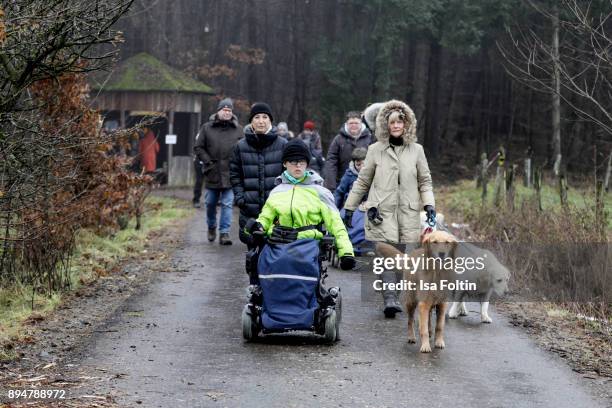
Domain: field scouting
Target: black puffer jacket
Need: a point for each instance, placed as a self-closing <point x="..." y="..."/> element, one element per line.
<point x="256" y="162"/>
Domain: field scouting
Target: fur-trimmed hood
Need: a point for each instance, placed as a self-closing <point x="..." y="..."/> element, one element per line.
<point x="382" y="128"/>
<point x="369" y="115"/>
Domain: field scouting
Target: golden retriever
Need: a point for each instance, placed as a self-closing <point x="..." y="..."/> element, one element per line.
<point x="438" y="245"/>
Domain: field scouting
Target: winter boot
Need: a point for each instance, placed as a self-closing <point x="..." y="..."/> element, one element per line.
<point x="212" y="234"/>
<point x="224" y="239"/>
<point x="391" y="304"/>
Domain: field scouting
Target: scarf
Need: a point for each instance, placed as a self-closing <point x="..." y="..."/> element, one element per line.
<point x="293" y="180"/>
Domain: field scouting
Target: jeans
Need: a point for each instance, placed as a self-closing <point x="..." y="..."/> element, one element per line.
<point x="212" y="196"/>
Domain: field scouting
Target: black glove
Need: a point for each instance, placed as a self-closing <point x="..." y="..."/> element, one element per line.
<point x="252" y="225"/>
<point x="348" y="218"/>
<point x="347" y="262"/>
<point x="207" y="167"/>
<point x="240" y="203"/>
<point x="374" y="216"/>
<point x="431" y="214"/>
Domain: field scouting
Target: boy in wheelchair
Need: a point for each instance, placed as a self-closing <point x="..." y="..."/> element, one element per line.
<point x="287" y="277"/>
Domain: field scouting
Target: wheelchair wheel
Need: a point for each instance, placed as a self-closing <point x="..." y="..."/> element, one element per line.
<point x="335" y="260"/>
<point x="339" y="307"/>
<point x="249" y="327"/>
<point x="331" y="327"/>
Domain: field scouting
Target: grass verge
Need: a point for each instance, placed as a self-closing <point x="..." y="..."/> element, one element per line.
<point x="94" y="256"/>
<point x="557" y="249"/>
<point x="465" y="198"/>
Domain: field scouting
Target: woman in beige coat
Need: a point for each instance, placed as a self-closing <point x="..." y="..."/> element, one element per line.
<point x="398" y="182"/>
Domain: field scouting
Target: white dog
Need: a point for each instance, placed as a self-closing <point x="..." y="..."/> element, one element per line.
<point x="492" y="279"/>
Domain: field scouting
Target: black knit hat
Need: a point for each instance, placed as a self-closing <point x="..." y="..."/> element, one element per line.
<point x="296" y="149"/>
<point x="260" y="107"/>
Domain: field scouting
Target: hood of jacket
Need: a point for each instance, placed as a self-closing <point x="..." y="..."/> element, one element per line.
<point x="363" y="132"/>
<point x="370" y="113"/>
<point x="260" y="141"/>
<point x="312" y="179"/>
<point x="351" y="169"/>
<point x="382" y="128"/>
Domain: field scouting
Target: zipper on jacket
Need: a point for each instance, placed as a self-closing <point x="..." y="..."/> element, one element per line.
<point x="291" y="206"/>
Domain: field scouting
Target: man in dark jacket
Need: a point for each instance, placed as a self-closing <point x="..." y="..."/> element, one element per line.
<point x="213" y="148"/>
<point x="311" y="138"/>
<point x="256" y="162"/>
<point x="352" y="134"/>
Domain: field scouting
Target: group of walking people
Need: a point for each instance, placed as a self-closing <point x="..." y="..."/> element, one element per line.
<point x="276" y="180"/>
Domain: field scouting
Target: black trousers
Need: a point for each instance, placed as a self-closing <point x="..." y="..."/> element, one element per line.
<point x="199" y="181"/>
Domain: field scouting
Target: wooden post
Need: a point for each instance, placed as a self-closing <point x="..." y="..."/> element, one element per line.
<point x="606" y="183"/>
<point x="600" y="215"/>
<point x="170" y="132"/>
<point x="527" y="179"/>
<point x="500" y="178"/>
<point x="484" y="167"/>
<point x="537" y="183"/>
<point x="563" y="189"/>
<point x="510" y="187"/>
<point x="122" y="119"/>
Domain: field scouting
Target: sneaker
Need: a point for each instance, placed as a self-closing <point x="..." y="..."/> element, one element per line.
<point x="224" y="239"/>
<point x="196" y="204"/>
<point x="212" y="234"/>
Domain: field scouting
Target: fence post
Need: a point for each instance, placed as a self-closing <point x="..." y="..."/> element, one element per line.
<point x="528" y="172"/>
<point x="600" y="215"/>
<point x="563" y="189"/>
<point x="500" y="178"/>
<point x="537" y="183"/>
<point x="510" y="176"/>
<point x="484" y="164"/>
<point x="606" y="183"/>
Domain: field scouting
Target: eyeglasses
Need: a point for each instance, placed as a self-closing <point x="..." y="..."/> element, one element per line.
<point x="298" y="162"/>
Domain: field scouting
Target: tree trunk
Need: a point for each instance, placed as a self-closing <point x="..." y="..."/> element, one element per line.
<point x="608" y="172"/>
<point x="421" y="78"/>
<point x="432" y="125"/>
<point x="556" y="97"/>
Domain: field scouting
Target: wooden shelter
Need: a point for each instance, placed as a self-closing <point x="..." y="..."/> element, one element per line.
<point x="142" y="86"/>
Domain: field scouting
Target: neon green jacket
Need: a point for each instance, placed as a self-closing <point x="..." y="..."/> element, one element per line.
<point x="302" y="204"/>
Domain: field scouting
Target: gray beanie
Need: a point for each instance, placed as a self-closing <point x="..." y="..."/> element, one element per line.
<point x="225" y="103"/>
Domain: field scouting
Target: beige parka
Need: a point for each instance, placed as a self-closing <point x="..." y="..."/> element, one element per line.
<point x="398" y="180"/>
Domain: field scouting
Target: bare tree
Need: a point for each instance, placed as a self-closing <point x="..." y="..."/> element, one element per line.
<point x="579" y="69"/>
<point x="53" y="163"/>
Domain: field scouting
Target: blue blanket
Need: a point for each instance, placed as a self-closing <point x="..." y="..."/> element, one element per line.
<point x="357" y="232"/>
<point x="288" y="275"/>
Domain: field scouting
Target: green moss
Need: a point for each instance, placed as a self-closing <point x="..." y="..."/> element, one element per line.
<point x="143" y="72"/>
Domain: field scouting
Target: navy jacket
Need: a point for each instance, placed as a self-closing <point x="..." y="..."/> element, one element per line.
<point x="344" y="187"/>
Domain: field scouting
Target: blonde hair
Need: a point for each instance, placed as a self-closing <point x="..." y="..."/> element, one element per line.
<point x="397" y="115"/>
